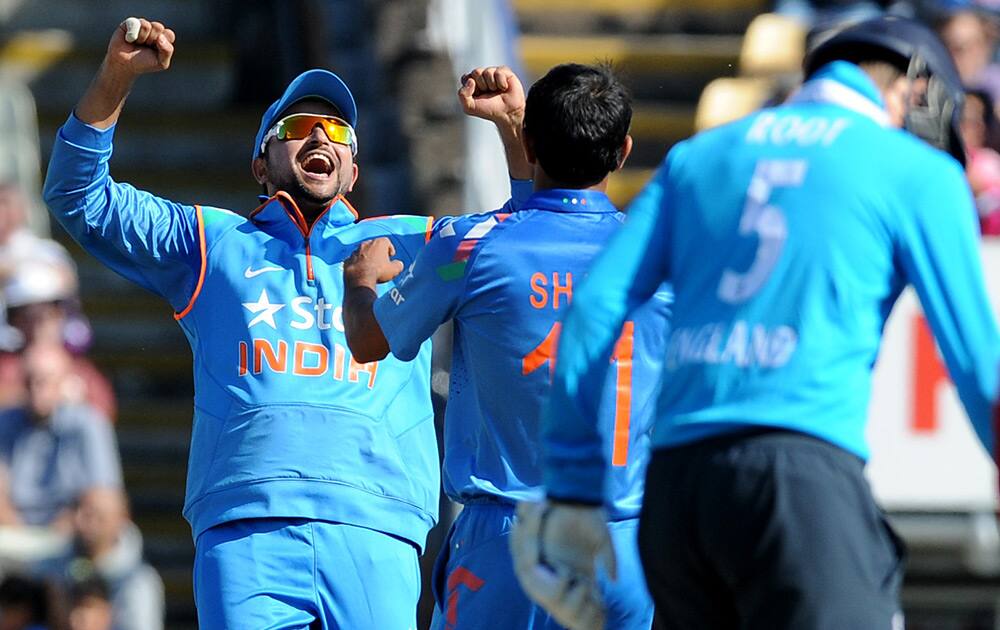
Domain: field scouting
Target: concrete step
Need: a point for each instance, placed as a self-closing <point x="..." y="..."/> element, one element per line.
<point x="636" y="16"/>
<point x="657" y="127"/>
<point x="662" y="122"/>
<point x="161" y="364"/>
<point x="624" y="185"/>
<point x="144" y="477"/>
<point x="146" y="415"/>
<point x="620" y="7"/>
<point x="157" y="446"/>
<point x="179" y="592"/>
<point x="165" y="503"/>
<point x="663" y="68"/>
<point x="157" y="334"/>
<point x="636" y="54"/>
<point x="107" y="294"/>
<point x="93" y="22"/>
<point x="167" y="539"/>
<point x="137" y="303"/>
<point x="191" y="140"/>
<point x="199" y="78"/>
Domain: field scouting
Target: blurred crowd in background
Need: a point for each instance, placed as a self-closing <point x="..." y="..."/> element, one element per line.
<point x="971" y="32"/>
<point x="69" y="551"/>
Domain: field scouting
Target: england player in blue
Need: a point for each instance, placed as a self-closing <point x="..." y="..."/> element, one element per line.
<point x="313" y="478"/>
<point x="505" y="279"/>
<point x="788" y="236"/>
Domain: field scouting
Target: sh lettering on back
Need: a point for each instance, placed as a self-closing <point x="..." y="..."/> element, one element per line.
<point x="555" y="291"/>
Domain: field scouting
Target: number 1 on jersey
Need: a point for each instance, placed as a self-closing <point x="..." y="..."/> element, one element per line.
<point x="545" y="352"/>
<point x="623" y="393"/>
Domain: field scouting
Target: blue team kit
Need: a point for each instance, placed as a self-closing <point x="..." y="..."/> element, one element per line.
<point x="505" y="278"/>
<point x="287" y="424"/>
<point x="810" y="252"/>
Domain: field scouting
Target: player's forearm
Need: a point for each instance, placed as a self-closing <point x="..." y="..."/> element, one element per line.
<point x="364" y="336"/>
<point x="103" y="101"/>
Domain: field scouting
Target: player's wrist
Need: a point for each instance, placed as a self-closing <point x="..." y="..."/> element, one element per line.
<point x="115" y="78"/>
<point x="360" y="276"/>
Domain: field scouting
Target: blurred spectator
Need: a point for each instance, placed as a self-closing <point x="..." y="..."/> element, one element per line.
<point x="38" y="294"/>
<point x="971" y="37"/>
<point x="17" y="242"/>
<point x="23" y="604"/>
<point x="42" y="306"/>
<point x="39" y="290"/>
<point x="824" y="14"/>
<point x="108" y="546"/>
<point x="983" y="165"/>
<point x="90" y="606"/>
<point x="54" y="449"/>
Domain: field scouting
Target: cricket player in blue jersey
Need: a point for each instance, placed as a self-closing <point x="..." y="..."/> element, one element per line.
<point x="505" y="279"/>
<point x="788" y="236"/>
<point x="313" y="478"/>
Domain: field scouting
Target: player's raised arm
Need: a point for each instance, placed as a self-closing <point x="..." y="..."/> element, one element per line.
<point x="495" y="94"/>
<point x="138" y="46"/>
<point x="151" y="241"/>
<point x="940" y="255"/>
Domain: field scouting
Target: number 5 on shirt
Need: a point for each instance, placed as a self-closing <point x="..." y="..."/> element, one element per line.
<point x="622" y="358"/>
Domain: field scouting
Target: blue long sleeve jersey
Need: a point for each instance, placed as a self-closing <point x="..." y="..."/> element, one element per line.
<point x="286" y="423"/>
<point x="505" y="279"/>
<point x="788" y="236"/>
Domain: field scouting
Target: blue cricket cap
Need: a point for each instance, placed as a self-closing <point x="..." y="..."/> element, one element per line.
<point x="316" y="83"/>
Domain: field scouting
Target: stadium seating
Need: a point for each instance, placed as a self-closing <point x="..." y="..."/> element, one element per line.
<point x="667" y="50"/>
<point x="727" y="98"/>
<point x="772" y="45"/>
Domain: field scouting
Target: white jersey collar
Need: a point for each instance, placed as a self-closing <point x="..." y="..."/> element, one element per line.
<point x="836" y="93"/>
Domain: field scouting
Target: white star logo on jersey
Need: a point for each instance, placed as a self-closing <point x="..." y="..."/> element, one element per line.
<point x="263" y="309"/>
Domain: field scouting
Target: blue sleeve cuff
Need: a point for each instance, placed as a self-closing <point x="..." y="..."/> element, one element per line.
<point x="574" y="482"/>
<point x="81" y="134"/>
<point x="393" y="330"/>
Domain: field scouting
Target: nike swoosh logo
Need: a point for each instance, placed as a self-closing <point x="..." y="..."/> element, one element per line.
<point x="253" y="273"/>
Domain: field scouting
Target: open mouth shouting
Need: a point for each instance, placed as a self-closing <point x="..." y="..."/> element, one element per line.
<point x="317" y="165"/>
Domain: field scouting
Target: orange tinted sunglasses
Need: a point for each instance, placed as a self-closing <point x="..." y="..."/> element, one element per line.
<point x="298" y="126"/>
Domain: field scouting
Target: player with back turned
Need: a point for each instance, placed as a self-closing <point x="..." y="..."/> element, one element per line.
<point x="505" y="279"/>
<point x="313" y="478"/>
<point x="788" y="236"/>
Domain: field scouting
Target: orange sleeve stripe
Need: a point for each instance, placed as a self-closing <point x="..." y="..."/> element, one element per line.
<point x="204" y="264"/>
<point x="430" y="228"/>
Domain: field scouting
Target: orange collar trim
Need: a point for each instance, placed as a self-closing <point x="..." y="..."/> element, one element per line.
<point x="295" y="214"/>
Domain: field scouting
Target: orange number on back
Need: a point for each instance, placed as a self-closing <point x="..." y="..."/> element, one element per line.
<point x="623" y="393"/>
<point x="545" y="351"/>
<point x="622" y="358"/>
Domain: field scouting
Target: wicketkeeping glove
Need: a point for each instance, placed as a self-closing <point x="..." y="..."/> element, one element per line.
<point x="557" y="548"/>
